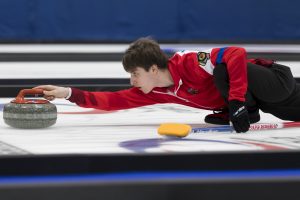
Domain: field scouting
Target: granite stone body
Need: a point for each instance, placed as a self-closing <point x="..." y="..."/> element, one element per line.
<point x="30" y="116"/>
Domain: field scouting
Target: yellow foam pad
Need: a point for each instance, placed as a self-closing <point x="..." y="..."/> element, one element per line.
<point x="174" y="129"/>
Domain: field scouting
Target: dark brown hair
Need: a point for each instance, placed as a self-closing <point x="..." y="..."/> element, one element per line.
<point x="144" y="53"/>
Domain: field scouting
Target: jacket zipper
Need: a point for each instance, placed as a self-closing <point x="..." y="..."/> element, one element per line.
<point x="174" y="94"/>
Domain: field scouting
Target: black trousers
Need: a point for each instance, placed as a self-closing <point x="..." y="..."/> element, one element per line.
<point x="271" y="89"/>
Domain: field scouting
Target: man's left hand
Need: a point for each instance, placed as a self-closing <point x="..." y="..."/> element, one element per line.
<point x="238" y="115"/>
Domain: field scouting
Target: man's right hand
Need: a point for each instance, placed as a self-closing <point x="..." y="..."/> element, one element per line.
<point x="51" y="91"/>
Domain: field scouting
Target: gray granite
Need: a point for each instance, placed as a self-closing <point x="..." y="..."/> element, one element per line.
<point x="30" y="116"/>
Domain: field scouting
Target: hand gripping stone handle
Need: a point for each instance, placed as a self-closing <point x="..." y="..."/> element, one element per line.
<point x="22" y="93"/>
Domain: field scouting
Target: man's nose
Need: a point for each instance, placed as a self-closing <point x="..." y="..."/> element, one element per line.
<point x="132" y="81"/>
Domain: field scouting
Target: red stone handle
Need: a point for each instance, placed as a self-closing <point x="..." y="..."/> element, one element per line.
<point x="22" y="93"/>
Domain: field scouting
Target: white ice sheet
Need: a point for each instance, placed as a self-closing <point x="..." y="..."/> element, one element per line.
<point x="81" y="130"/>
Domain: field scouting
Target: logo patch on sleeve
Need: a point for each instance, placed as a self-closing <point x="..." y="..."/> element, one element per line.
<point x="203" y="57"/>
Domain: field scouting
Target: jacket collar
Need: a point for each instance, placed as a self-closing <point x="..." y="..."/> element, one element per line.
<point x="176" y="79"/>
<point x="174" y="71"/>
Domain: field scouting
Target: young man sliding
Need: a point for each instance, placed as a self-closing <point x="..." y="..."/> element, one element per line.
<point x="218" y="79"/>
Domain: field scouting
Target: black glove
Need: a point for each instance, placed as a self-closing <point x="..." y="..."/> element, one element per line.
<point x="238" y="115"/>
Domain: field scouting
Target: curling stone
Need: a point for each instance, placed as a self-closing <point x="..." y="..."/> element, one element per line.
<point x="29" y="113"/>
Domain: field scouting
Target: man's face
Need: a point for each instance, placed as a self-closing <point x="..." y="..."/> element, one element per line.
<point x="144" y="80"/>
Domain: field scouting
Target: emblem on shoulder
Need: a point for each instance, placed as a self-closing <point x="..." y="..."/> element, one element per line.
<point x="203" y="57"/>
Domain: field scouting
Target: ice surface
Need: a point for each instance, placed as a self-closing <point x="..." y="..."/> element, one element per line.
<point x="81" y="130"/>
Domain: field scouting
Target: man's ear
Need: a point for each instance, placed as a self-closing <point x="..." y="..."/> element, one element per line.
<point x="154" y="68"/>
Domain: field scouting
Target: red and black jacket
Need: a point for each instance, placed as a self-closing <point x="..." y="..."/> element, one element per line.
<point x="193" y="83"/>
